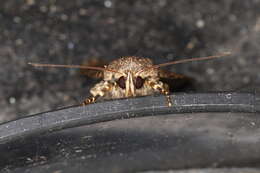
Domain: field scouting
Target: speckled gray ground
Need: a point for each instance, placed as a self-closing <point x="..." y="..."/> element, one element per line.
<point x="210" y="170"/>
<point x="70" y="32"/>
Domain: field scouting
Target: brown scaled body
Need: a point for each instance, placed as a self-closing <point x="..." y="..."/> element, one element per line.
<point x="129" y="77"/>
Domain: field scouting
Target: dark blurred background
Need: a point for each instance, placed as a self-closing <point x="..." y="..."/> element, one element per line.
<point x="72" y="32"/>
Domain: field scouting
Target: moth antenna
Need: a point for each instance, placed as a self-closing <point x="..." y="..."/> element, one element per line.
<point x="72" y="66"/>
<point x="191" y="59"/>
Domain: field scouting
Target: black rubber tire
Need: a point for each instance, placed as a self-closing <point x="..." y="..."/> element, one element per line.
<point x="205" y="130"/>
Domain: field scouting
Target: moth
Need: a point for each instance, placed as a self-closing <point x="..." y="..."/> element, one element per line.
<point x="130" y="77"/>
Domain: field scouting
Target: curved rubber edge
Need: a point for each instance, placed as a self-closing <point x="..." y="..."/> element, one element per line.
<point x="128" y="108"/>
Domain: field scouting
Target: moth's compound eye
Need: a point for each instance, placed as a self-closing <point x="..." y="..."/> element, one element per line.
<point x="121" y="82"/>
<point x="139" y="82"/>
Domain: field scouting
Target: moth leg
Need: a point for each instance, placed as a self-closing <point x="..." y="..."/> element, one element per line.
<point x="89" y="100"/>
<point x="163" y="89"/>
<point x="99" y="90"/>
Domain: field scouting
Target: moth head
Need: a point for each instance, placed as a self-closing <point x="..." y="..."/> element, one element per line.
<point x="130" y="83"/>
<point x="130" y="77"/>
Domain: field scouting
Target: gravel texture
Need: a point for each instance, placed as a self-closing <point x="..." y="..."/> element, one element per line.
<point x="72" y="32"/>
<point x="210" y="170"/>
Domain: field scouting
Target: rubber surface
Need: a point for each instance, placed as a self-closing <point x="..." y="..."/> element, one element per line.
<point x="140" y="134"/>
<point x="126" y="108"/>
